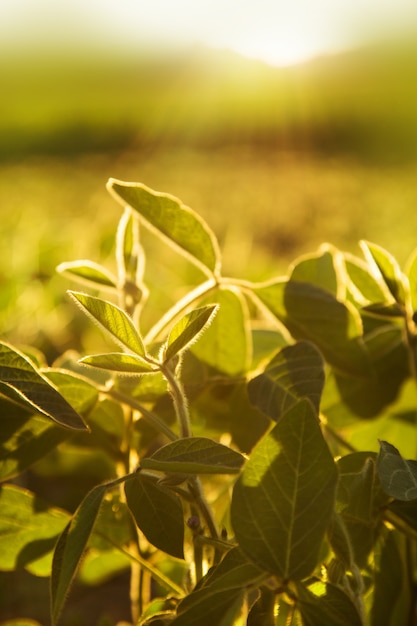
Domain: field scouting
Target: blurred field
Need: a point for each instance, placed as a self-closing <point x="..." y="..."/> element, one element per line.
<point x="277" y="161"/>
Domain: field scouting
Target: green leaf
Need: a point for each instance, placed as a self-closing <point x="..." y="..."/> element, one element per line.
<point x="411" y="272"/>
<point x="158" y="514"/>
<point x="71" y="546"/>
<point x="120" y="362"/>
<point x="385" y="264"/>
<point x="318" y="269"/>
<point x="188" y="328"/>
<point x="388" y="583"/>
<point x="175" y="222"/>
<point x="90" y="273"/>
<point x="195" y="455"/>
<point x="221" y="607"/>
<point x="324" y="604"/>
<point x="364" y="285"/>
<point x="284" y="497"/>
<point x="112" y="320"/>
<point x="23" y="383"/>
<point x="79" y="391"/>
<point x="398" y="477"/>
<point x="296" y="372"/>
<point x="28" y="530"/>
<point x="314" y="314"/>
<point x="226" y="346"/>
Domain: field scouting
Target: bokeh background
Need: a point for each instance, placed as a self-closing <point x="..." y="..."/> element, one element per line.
<point x="285" y="124"/>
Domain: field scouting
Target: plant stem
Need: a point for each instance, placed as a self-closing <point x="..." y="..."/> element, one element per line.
<point x="180" y="401"/>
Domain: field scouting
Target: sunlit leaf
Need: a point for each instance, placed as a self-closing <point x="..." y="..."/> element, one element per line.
<point x="120" y="362"/>
<point x="90" y="273"/>
<point x="158" y="514"/>
<point x="296" y="372"/>
<point x="318" y="269"/>
<point x="364" y="284"/>
<point x="188" y="328"/>
<point x="195" y="455"/>
<point x="23" y="383"/>
<point x="177" y="223"/>
<point x="312" y="313"/>
<point x="80" y="392"/>
<point x="220" y="606"/>
<point x="398" y="477"/>
<point x="226" y="346"/>
<point x="387" y="266"/>
<point x="111" y="319"/>
<point x="283" y="499"/>
<point x="71" y="546"/>
<point x="324" y="604"/>
<point x="28" y="530"/>
<point x="411" y="272"/>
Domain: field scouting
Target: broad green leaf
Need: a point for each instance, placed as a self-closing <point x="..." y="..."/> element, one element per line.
<point x="405" y="512"/>
<point x="364" y="285"/>
<point x="226" y="346"/>
<point x="158" y="514"/>
<point x="25" y="438"/>
<point x="411" y="272"/>
<point x="263" y="610"/>
<point x="318" y="269"/>
<point x="398" y="477"/>
<point x="120" y="362"/>
<point x="284" y="497"/>
<point x="111" y="319"/>
<point x="235" y="570"/>
<point x="188" y="328"/>
<point x="107" y="423"/>
<point x="166" y="215"/>
<point x="312" y="313"/>
<point x="28" y="530"/>
<point x="71" y="546"/>
<point x="79" y="391"/>
<point x="195" y="455"/>
<point x="296" y="372"/>
<point x="221" y="607"/>
<point x="385" y="264"/>
<point x="324" y="604"/>
<point x="388" y="583"/>
<point x="23" y="383"/>
<point x="89" y="272"/>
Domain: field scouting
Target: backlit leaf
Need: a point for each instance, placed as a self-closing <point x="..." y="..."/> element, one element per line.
<point x="296" y="372"/>
<point x="318" y="269"/>
<point x="187" y="329"/>
<point x="389" y="582"/>
<point x="158" y="514"/>
<point x="177" y="223"/>
<point x="195" y="455"/>
<point x="227" y="346"/>
<point x="23" y="383"/>
<point x="398" y="477"/>
<point x="89" y="272"/>
<point x="411" y="272"/>
<point x="120" y="362"/>
<point x="312" y="313"/>
<point x="28" y="530"/>
<point x="324" y="604"/>
<point x="111" y="319"/>
<point x="283" y="499"/>
<point x="387" y="266"/>
<point x="71" y="546"/>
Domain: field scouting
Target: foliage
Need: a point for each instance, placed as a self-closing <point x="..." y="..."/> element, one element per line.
<point x="236" y="481"/>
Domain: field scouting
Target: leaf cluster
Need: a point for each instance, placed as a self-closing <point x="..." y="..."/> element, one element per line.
<point x="237" y="477"/>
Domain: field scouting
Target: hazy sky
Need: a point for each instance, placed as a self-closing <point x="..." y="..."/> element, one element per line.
<point x="278" y="31"/>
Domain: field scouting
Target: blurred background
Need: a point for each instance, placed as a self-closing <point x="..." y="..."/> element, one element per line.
<point x="284" y="124"/>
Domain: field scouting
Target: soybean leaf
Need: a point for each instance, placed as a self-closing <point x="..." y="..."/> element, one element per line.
<point x="188" y="328"/>
<point x="195" y="455"/>
<point x="312" y="313"/>
<point x="318" y="269"/>
<point x="178" y="224"/>
<point x="387" y="266"/>
<point x="221" y="607"/>
<point x="79" y="391"/>
<point x="111" y="319"/>
<point x="89" y="272"/>
<point x="283" y="499"/>
<point x="389" y="583"/>
<point x="71" y="546"/>
<point x="324" y="604"/>
<point x="398" y="477"/>
<point x="227" y="346"/>
<point x="28" y="530"/>
<point x="363" y="284"/>
<point x="158" y="514"/>
<point x="296" y="372"/>
<point x="120" y="362"/>
<point x="22" y="382"/>
<point x="411" y="272"/>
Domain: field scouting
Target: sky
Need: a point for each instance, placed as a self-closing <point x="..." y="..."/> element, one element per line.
<point x="280" y="32"/>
